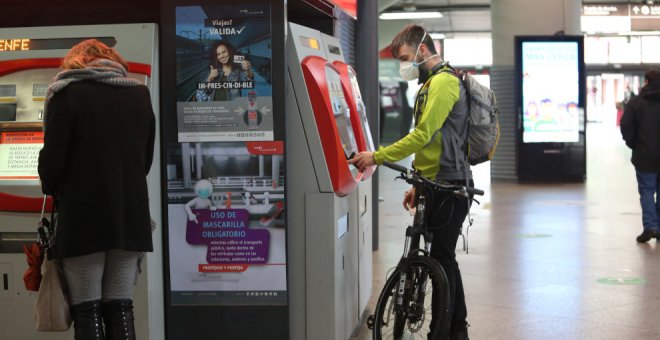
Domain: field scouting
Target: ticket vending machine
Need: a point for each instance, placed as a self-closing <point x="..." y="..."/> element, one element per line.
<point x="29" y="58"/>
<point x="364" y="191"/>
<point x="323" y="212"/>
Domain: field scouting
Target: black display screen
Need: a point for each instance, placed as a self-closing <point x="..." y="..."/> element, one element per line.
<point x="8" y="112"/>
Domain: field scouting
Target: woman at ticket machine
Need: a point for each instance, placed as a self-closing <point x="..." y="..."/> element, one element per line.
<point x="98" y="148"/>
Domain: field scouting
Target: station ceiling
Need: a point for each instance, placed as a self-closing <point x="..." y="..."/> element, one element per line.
<point x="460" y="17"/>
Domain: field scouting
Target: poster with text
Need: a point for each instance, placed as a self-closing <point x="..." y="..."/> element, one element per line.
<point x="550" y="92"/>
<point x="19" y="154"/>
<point x="227" y="223"/>
<point x="223" y="73"/>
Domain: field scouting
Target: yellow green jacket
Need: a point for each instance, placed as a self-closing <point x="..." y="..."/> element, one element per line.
<point x="440" y="132"/>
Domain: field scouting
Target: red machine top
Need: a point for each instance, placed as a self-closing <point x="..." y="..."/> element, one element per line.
<point x="358" y="117"/>
<point x="334" y="126"/>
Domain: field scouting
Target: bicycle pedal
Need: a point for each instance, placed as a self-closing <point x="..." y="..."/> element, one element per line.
<point x="370" y="322"/>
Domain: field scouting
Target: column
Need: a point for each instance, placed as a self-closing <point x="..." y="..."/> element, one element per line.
<point x="508" y="19"/>
<point x="366" y="65"/>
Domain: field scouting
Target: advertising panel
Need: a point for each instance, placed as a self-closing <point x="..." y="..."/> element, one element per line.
<point x="225" y="253"/>
<point x="227" y="234"/>
<point x="223" y="73"/>
<point x="550" y="92"/>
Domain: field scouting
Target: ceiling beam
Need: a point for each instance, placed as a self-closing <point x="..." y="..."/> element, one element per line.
<point x="386" y="4"/>
<point x="450" y="8"/>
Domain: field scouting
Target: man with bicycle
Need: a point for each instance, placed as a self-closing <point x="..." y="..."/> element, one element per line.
<point x="438" y="142"/>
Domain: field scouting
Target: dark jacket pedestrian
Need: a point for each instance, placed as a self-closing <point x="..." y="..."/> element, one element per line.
<point x="98" y="148"/>
<point x="640" y="127"/>
<point x="97" y="152"/>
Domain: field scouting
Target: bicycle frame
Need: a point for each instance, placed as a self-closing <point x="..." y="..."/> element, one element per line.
<point x="406" y="309"/>
<point x="414" y="234"/>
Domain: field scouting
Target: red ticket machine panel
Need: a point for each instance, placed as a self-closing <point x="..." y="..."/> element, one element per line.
<point x="333" y="120"/>
<point x="359" y="120"/>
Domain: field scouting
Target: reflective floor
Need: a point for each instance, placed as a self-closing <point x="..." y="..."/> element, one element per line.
<point x="549" y="261"/>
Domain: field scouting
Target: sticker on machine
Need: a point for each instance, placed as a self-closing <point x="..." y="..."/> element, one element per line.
<point x="19" y="154"/>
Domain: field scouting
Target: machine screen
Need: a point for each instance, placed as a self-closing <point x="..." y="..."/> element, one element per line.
<point x="362" y="112"/>
<point x="334" y="50"/>
<point x="8" y="112"/>
<point x="39" y="90"/>
<point x="7" y="90"/>
<point x="341" y="112"/>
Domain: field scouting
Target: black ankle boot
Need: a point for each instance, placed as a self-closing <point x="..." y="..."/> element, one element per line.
<point x="87" y="320"/>
<point x="118" y="318"/>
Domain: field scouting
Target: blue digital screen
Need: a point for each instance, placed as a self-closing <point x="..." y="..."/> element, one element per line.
<point x="550" y="92"/>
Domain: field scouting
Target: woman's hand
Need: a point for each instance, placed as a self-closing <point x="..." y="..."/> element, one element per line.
<point x="213" y="74"/>
<point x="409" y="199"/>
<point x="247" y="67"/>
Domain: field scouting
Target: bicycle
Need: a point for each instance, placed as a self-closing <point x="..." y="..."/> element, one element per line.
<point x="403" y="308"/>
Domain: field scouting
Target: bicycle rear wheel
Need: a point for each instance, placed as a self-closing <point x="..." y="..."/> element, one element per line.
<point x="426" y="288"/>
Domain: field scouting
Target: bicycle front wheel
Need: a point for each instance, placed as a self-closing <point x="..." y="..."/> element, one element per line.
<point x="419" y="309"/>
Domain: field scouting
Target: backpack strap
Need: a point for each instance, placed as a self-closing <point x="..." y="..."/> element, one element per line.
<point x="441" y="69"/>
<point x="468" y="98"/>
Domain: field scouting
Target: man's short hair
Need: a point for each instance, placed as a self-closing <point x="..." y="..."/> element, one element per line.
<point x="411" y="35"/>
<point x="652" y="76"/>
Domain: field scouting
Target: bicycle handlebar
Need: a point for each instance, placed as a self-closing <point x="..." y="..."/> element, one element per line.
<point x="413" y="177"/>
<point x="397" y="167"/>
<point x="474" y="191"/>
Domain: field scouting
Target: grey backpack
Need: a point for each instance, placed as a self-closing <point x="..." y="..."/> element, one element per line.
<point x="483" y="119"/>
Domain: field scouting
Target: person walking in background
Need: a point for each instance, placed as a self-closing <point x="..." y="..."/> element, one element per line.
<point x="640" y="127"/>
<point x="98" y="148"/>
<point x="437" y="141"/>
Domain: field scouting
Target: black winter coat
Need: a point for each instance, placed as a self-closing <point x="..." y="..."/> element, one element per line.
<point x="640" y="127"/>
<point x="98" y="149"/>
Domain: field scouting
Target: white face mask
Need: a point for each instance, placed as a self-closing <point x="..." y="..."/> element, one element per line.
<point x="409" y="70"/>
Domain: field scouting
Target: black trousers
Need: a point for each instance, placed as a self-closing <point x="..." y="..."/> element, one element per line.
<point x="446" y="213"/>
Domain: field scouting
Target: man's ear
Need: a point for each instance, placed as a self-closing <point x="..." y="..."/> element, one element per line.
<point x="423" y="51"/>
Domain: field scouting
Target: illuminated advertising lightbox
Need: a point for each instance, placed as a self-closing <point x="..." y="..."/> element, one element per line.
<point x="550" y="91"/>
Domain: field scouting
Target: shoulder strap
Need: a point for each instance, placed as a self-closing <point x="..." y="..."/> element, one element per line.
<point x="440" y="66"/>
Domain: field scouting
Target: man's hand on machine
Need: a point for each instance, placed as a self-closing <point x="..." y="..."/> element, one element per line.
<point x="409" y="199"/>
<point x="362" y="160"/>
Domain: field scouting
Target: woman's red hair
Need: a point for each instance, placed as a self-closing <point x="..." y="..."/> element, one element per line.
<point x="89" y="50"/>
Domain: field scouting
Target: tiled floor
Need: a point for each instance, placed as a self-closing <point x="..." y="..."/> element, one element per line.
<point x="538" y="251"/>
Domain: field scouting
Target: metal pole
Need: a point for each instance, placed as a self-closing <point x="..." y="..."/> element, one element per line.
<point x="366" y="64"/>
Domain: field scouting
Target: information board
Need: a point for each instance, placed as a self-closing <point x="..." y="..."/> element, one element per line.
<point x="19" y="154"/>
<point x="550" y="92"/>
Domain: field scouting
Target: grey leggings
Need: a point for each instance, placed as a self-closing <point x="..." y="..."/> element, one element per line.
<point x="105" y="275"/>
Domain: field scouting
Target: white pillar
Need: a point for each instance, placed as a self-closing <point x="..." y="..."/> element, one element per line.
<point x="510" y="18"/>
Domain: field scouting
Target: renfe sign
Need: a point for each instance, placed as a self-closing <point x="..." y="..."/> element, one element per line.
<point x="14" y="45"/>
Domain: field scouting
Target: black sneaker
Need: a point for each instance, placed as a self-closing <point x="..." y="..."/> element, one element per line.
<point x="646" y="235"/>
